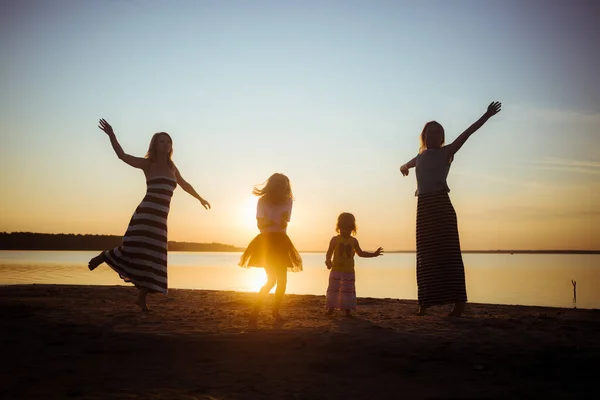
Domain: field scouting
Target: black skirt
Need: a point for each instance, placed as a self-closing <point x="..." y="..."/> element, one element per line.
<point x="440" y="268"/>
<point x="272" y="250"/>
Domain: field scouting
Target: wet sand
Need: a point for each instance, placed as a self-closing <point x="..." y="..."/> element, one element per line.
<point x="90" y="342"/>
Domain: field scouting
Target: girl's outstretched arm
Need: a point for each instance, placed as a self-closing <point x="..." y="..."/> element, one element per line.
<point x="330" y="253"/>
<point x="188" y="188"/>
<point x="136" y="162"/>
<point x="361" y="253"/>
<point x="411" y="164"/>
<point x="493" y="109"/>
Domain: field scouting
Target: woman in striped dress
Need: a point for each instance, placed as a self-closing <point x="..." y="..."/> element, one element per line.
<point x="440" y="269"/>
<point x="142" y="257"/>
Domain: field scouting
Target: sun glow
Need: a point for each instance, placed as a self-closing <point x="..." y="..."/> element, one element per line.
<point x="249" y="213"/>
<point x="255" y="279"/>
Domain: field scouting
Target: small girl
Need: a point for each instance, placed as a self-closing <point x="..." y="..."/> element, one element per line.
<point x="440" y="269"/>
<point x="272" y="249"/>
<point x="341" y="292"/>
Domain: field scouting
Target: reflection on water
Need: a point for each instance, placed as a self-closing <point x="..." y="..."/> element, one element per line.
<point x="529" y="279"/>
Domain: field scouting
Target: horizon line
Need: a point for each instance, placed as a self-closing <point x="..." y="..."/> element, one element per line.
<point x="514" y="251"/>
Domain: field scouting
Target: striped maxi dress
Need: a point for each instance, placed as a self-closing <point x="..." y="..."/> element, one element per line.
<point x="440" y="268"/>
<point x="142" y="257"/>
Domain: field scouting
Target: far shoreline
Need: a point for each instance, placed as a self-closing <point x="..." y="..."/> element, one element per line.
<point x="35" y="241"/>
<point x="239" y="250"/>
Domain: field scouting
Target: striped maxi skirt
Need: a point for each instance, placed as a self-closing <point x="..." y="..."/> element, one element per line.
<point x="440" y="268"/>
<point x="142" y="257"/>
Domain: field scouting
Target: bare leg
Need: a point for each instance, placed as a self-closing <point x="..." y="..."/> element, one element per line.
<point x="262" y="295"/>
<point x="141" y="300"/>
<point x="279" y="292"/>
<point x="459" y="308"/>
<point x="422" y="310"/>
<point x="94" y="262"/>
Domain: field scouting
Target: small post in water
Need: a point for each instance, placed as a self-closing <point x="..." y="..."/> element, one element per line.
<point x="574" y="283"/>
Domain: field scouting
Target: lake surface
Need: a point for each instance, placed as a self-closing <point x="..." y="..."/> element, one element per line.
<point x="525" y="279"/>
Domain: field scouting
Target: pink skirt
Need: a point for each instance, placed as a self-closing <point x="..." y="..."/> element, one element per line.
<point x="341" y="292"/>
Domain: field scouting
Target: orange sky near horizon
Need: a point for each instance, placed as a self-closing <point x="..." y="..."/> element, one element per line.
<point x="332" y="94"/>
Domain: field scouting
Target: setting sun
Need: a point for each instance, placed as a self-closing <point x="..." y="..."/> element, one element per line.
<point x="255" y="278"/>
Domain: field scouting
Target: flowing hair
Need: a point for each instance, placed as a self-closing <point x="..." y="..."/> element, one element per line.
<point x="423" y="136"/>
<point x="346" y="219"/>
<point x="276" y="190"/>
<point x="151" y="154"/>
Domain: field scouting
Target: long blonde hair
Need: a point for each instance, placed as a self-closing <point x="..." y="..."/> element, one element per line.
<point x="423" y="136"/>
<point x="276" y="190"/>
<point x="151" y="154"/>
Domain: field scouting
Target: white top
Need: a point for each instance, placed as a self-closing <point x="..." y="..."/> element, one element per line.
<point x="432" y="170"/>
<point x="274" y="213"/>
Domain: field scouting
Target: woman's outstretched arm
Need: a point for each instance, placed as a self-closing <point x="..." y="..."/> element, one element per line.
<point x="188" y="188"/>
<point x="136" y="162"/>
<point x="493" y="109"/>
<point x="411" y="164"/>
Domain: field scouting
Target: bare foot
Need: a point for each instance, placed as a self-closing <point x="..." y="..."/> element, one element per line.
<point x="458" y="310"/>
<point x="253" y="320"/>
<point x="142" y="305"/>
<point x="277" y="316"/>
<point x="422" y="310"/>
<point x="94" y="262"/>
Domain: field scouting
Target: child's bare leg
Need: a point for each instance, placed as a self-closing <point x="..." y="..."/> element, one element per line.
<point x="422" y="310"/>
<point x="94" y="262"/>
<point x="459" y="308"/>
<point x="262" y="295"/>
<point x="141" y="300"/>
<point x="279" y="292"/>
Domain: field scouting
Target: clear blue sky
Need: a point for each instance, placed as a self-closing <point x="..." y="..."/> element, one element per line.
<point x="331" y="93"/>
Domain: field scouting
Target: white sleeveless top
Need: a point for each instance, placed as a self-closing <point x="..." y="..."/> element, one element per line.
<point x="274" y="213"/>
<point x="432" y="170"/>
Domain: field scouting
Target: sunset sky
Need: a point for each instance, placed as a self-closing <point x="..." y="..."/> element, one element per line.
<point x="332" y="93"/>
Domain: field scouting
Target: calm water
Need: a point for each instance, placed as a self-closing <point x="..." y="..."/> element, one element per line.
<point x="527" y="279"/>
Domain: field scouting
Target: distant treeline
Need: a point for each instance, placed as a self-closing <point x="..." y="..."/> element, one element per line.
<point x="62" y="241"/>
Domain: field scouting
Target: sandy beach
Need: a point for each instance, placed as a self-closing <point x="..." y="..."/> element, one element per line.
<point x="91" y="343"/>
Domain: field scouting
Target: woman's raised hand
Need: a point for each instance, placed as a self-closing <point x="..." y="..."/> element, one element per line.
<point x="493" y="108"/>
<point x="404" y="170"/>
<point x="205" y="204"/>
<point x="105" y="126"/>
